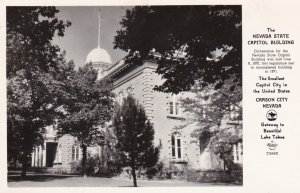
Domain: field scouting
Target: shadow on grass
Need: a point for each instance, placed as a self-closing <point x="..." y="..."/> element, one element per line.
<point x="35" y="178"/>
<point x="128" y="186"/>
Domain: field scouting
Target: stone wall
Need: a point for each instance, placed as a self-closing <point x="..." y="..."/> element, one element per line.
<point x="141" y="81"/>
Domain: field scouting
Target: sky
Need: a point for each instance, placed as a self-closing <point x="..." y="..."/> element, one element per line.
<point x="82" y="36"/>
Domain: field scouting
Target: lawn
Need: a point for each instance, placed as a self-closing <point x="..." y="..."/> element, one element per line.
<point x="54" y="180"/>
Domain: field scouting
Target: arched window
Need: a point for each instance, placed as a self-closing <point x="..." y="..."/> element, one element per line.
<point x="75" y="153"/>
<point x="176" y="142"/>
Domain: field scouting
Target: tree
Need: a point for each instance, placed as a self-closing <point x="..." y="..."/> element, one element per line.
<point x="31" y="106"/>
<point x="89" y="107"/>
<point x="191" y="44"/>
<point x="34" y="73"/>
<point x="30" y="31"/>
<point x="135" y="136"/>
<point x="111" y="157"/>
<point x="213" y="110"/>
<point x="197" y="49"/>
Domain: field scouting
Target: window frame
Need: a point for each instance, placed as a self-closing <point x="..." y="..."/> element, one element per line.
<point x="75" y="153"/>
<point x="237" y="150"/>
<point x="233" y="115"/>
<point x="175" y="108"/>
<point x="176" y="146"/>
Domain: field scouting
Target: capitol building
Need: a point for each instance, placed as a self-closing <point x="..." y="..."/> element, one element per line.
<point x="171" y="124"/>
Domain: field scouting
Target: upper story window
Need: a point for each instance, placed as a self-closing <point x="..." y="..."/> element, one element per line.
<point x="175" y="107"/>
<point x="233" y="112"/>
<point x="204" y="112"/>
<point x="129" y="91"/>
<point x="176" y="142"/>
<point x="75" y="153"/>
<point x="120" y="97"/>
<point x="124" y="93"/>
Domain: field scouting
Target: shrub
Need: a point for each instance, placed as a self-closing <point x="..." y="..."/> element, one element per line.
<point x="76" y="167"/>
<point x="95" y="167"/>
<point x="151" y="172"/>
<point x="158" y="171"/>
<point x="92" y="165"/>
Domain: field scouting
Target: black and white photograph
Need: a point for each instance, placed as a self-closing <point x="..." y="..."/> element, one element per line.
<point x="124" y="96"/>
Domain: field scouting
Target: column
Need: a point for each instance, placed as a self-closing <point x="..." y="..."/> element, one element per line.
<point x="36" y="157"/>
<point x="44" y="154"/>
<point x="99" y="151"/>
<point x="79" y="152"/>
<point x="240" y="151"/>
<point x="234" y="153"/>
<point x="40" y="156"/>
<point x="32" y="158"/>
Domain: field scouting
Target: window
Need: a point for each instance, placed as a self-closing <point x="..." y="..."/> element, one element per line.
<point x="129" y="91"/>
<point x="171" y="108"/>
<point x="75" y="153"/>
<point x="174" y="108"/>
<point x="233" y="112"/>
<point x="173" y="146"/>
<point x="237" y="152"/>
<point x="120" y="97"/>
<point x="203" y="113"/>
<point x="176" y="146"/>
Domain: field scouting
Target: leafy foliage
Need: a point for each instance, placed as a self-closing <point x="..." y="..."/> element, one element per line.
<point x="30" y="31"/>
<point x="35" y="71"/>
<point x="135" y="136"/>
<point x="219" y="117"/>
<point x="191" y="44"/>
<point x="111" y="157"/>
<point x="88" y="108"/>
<point x="197" y="49"/>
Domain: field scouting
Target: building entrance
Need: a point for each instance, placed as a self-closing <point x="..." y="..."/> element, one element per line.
<point x="50" y="153"/>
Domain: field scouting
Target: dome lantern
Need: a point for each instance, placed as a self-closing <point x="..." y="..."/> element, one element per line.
<point x="98" y="55"/>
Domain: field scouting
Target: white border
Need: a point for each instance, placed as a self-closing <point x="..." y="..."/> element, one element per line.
<point x="261" y="173"/>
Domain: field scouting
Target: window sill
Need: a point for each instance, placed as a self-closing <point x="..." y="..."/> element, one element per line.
<point x="234" y="122"/>
<point x="178" y="117"/>
<point x="238" y="162"/>
<point x="174" y="160"/>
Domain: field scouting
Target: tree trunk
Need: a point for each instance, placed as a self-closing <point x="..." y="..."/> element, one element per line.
<point x="200" y="153"/>
<point x="15" y="162"/>
<point x="24" y="164"/>
<point x="134" y="176"/>
<point x="84" y="158"/>
<point x="24" y="168"/>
